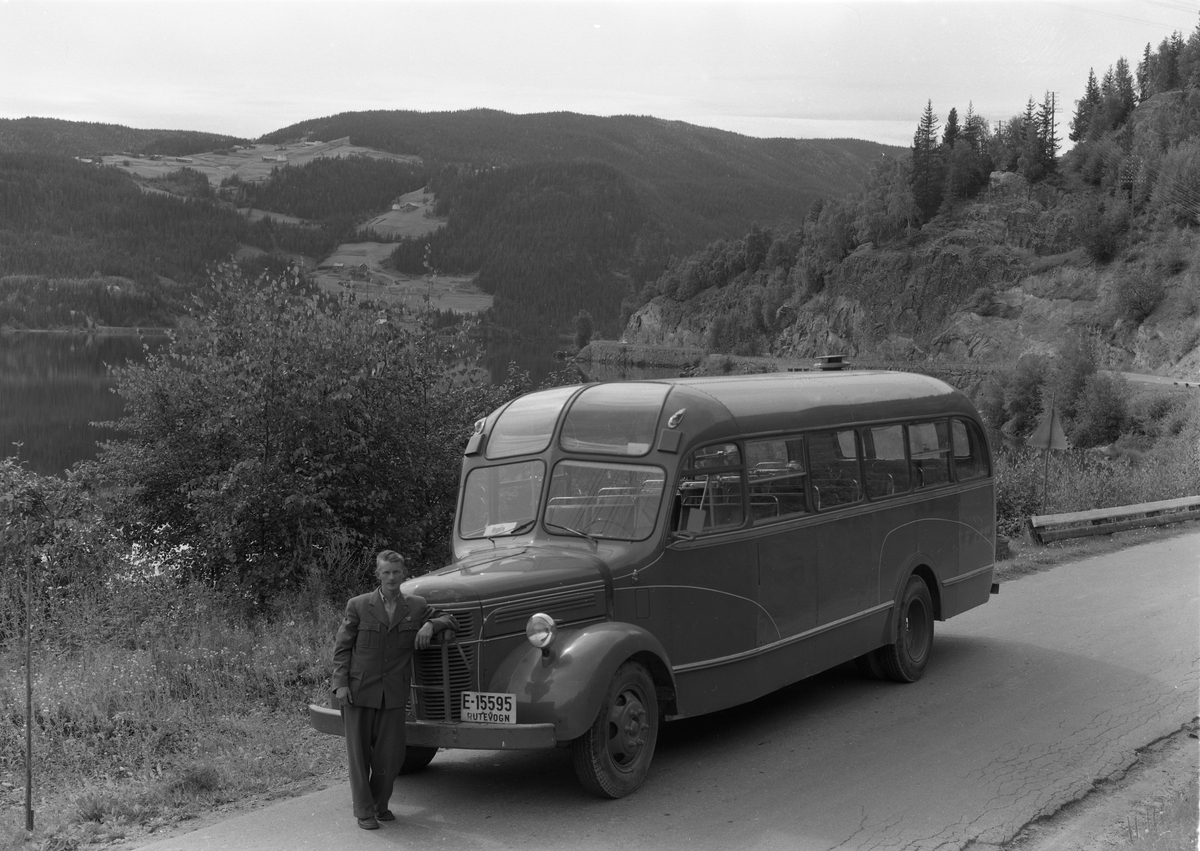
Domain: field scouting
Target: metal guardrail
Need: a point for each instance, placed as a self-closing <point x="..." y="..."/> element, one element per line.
<point x="1104" y="521"/>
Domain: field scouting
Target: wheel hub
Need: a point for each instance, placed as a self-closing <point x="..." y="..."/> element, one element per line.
<point x="627" y="726"/>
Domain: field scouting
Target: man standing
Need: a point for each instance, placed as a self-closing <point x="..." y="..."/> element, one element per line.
<point x="372" y="662"/>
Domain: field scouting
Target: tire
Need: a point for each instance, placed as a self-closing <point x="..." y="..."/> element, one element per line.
<point x="870" y="666"/>
<point x="611" y="759"/>
<point x="905" y="661"/>
<point x="416" y="758"/>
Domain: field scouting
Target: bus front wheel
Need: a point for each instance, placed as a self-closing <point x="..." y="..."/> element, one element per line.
<point x="611" y="759"/>
<point x="905" y="660"/>
<point x="416" y="758"/>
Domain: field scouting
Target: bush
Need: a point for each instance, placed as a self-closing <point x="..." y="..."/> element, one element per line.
<point x="1100" y="228"/>
<point x="1079" y="480"/>
<point x="1137" y="295"/>
<point x="1102" y="414"/>
<point x="281" y="427"/>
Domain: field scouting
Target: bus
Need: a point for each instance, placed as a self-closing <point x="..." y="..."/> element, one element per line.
<point x="628" y="553"/>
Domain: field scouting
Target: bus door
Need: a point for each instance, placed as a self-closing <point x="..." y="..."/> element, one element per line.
<point x="707" y="577"/>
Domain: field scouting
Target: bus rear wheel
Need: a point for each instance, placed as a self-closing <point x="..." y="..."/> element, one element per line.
<point x="905" y="660"/>
<point x="611" y="759"/>
<point x="416" y="758"/>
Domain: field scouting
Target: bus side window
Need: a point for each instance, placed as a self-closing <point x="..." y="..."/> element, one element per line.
<point x="833" y="468"/>
<point x="970" y="457"/>
<point x="777" y="479"/>
<point x="884" y="461"/>
<point x="929" y="449"/>
<point x="710" y="501"/>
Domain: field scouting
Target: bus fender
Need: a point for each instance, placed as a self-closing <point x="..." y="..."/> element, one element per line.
<point x="566" y="685"/>
<point x="917" y="565"/>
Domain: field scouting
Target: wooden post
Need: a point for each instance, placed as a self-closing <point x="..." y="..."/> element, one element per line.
<point x="28" y="682"/>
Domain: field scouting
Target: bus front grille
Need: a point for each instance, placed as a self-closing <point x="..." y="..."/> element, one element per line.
<point x="443" y="672"/>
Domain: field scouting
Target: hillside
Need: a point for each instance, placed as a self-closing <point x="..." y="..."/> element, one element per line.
<point x="701" y="183"/>
<point x="987" y="249"/>
<point x="981" y="245"/>
<point x="86" y="139"/>
<point x="558" y="213"/>
<point x="549" y="215"/>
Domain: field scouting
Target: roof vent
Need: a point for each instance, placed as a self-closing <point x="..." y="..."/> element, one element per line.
<point x="831" y="362"/>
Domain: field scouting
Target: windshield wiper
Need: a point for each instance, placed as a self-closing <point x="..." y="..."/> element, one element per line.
<point x="523" y="526"/>
<point x="575" y="532"/>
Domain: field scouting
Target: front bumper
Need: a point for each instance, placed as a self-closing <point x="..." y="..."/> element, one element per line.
<point x="491" y="737"/>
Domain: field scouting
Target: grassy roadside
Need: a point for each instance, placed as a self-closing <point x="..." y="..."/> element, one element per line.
<point x="205" y="718"/>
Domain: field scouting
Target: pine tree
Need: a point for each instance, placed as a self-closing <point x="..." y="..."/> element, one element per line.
<point x="975" y="129"/>
<point x="927" y="167"/>
<point x="1048" y="134"/>
<point x="1085" y="108"/>
<point x="1126" y="94"/>
<point x="1030" y="161"/>
<point x="1144" y="74"/>
<point x="951" y="131"/>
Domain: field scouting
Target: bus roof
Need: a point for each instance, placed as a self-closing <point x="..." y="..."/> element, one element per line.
<point x="780" y="401"/>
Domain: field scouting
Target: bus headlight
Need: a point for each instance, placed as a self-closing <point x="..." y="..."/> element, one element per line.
<point x="541" y="630"/>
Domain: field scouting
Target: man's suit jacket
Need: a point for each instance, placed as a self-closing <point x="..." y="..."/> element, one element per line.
<point x="373" y="654"/>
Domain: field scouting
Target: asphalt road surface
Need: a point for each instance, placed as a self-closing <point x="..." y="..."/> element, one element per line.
<point x="1052" y="685"/>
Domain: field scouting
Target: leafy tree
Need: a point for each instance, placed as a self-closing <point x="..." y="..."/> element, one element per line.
<point x="583" y="329"/>
<point x="280" y="424"/>
<point x="1023" y="396"/>
<point x="827" y="241"/>
<point x="887" y="208"/>
<point x="1077" y="361"/>
<point x="1101" y="414"/>
<point x="1176" y="194"/>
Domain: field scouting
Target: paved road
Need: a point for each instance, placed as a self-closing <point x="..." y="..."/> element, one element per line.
<point x="1056" y="682"/>
<point x="1142" y="378"/>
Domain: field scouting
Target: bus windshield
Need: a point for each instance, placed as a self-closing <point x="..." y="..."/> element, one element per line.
<point x="587" y="499"/>
<point x="501" y="500"/>
<point x="604" y="500"/>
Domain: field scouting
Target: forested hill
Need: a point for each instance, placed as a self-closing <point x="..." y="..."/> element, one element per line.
<point x="699" y="183"/>
<point x="561" y="212"/>
<point x="81" y="139"/>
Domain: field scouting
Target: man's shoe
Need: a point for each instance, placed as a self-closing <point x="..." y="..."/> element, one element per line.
<point x="385" y="815"/>
<point x="368" y="823"/>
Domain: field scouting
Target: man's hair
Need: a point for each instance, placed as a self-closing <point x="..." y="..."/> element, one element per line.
<point x="390" y="556"/>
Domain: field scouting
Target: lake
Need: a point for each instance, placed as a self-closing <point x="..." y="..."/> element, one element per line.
<point x="54" y="387"/>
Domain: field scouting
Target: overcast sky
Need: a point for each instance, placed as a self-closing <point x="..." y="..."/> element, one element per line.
<point x="803" y="69"/>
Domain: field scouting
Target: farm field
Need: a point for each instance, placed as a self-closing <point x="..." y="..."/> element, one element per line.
<point x="250" y="164"/>
<point x="358" y="267"/>
<point x="352" y="267"/>
<point x="413" y="218"/>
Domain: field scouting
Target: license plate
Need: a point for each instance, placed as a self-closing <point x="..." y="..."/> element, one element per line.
<point x="489" y="707"/>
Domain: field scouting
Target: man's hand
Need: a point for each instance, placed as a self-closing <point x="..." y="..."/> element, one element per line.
<point x="424" y="637"/>
<point x="342" y="693"/>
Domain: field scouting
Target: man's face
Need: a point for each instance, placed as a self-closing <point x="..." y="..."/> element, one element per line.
<point x="391" y="574"/>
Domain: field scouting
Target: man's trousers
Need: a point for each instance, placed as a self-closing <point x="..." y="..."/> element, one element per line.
<point x="375" y="741"/>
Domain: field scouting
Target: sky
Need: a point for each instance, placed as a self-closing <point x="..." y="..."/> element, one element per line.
<point x="790" y="68"/>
